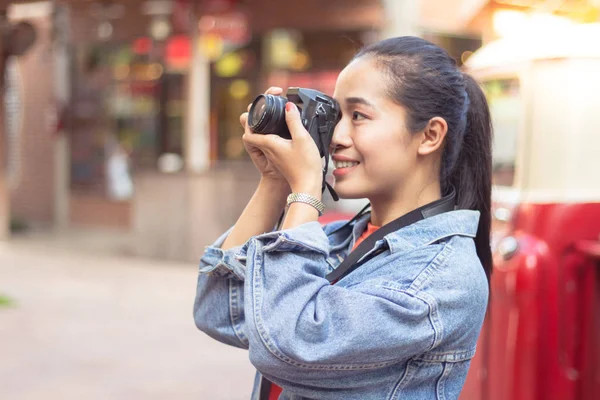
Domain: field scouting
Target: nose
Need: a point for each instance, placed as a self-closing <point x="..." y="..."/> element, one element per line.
<point x="341" y="137"/>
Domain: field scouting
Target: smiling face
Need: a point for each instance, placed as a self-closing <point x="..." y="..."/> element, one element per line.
<point x="374" y="153"/>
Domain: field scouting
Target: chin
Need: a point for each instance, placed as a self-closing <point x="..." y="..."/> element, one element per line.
<point x="345" y="192"/>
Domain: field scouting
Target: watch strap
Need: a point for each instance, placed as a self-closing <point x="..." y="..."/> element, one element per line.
<point x="307" y="199"/>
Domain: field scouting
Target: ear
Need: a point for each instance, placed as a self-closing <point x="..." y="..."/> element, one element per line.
<point x="433" y="136"/>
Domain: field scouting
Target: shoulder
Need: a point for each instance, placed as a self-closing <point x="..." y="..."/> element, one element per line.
<point x="449" y="278"/>
<point x="430" y="247"/>
<point x="455" y="268"/>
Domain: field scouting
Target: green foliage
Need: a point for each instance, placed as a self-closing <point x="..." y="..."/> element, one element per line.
<point x="6" y="301"/>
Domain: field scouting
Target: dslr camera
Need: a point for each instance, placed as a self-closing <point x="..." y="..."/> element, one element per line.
<point x="319" y="114"/>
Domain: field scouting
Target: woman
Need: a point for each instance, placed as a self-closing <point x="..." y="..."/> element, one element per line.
<point x="404" y="324"/>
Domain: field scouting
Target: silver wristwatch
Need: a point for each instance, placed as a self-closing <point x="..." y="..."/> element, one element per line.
<point x="308" y="199"/>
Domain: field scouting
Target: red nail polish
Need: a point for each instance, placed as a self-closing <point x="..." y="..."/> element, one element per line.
<point x="289" y="106"/>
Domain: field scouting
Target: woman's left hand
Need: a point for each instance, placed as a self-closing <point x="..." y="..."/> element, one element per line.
<point x="298" y="159"/>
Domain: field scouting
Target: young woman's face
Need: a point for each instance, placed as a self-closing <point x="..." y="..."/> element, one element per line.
<point x="372" y="149"/>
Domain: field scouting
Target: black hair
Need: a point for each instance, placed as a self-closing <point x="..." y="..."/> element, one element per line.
<point x="427" y="82"/>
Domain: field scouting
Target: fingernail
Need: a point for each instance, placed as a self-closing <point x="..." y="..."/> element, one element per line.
<point x="290" y="107"/>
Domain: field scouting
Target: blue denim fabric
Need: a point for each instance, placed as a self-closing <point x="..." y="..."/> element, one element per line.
<point x="402" y="326"/>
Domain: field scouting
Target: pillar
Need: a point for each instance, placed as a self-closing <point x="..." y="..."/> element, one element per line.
<point x="197" y="133"/>
<point x="62" y="90"/>
<point x="4" y="190"/>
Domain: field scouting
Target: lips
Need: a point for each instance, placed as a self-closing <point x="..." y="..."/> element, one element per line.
<point x="343" y="165"/>
<point x="341" y="157"/>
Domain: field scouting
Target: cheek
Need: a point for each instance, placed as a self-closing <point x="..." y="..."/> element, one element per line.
<point x="387" y="156"/>
<point x="380" y="144"/>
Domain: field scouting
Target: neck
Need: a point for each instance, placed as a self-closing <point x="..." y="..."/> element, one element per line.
<point x="385" y="209"/>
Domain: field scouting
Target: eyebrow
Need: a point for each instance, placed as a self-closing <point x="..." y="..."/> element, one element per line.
<point x="359" y="100"/>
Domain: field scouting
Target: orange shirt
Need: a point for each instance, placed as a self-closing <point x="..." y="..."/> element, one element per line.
<point x="276" y="390"/>
<point x="370" y="229"/>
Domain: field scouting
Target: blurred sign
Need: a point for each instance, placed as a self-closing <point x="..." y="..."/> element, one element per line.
<point x="216" y="6"/>
<point x="178" y="52"/>
<point x="182" y="15"/>
<point x="231" y="27"/>
<point x="157" y="7"/>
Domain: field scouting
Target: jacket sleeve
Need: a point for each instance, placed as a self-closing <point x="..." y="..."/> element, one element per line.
<point x="300" y="328"/>
<point x="219" y="302"/>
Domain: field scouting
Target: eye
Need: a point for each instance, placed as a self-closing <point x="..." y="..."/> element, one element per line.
<point x="356" y="116"/>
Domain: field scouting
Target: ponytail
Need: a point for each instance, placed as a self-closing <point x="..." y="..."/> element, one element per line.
<point x="471" y="174"/>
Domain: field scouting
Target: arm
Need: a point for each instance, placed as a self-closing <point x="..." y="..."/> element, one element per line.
<point x="218" y="307"/>
<point x="261" y="214"/>
<point x="219" y="303"/>
<point x="297" y="160"/>
<point x="265" y="207"/>
<point x="301" y="325"/>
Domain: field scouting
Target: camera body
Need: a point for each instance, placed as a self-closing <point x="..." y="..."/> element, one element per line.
<point x="319" y="114"/>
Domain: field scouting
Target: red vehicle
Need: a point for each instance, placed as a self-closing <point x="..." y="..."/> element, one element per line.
<point x="541" y="338"/>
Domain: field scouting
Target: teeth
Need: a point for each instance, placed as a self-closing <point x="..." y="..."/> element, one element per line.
<point x="345" y="164"/>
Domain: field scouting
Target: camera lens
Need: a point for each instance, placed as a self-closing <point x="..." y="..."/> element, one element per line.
<point x="258" y="109"/>
<point x="267" y="115"/>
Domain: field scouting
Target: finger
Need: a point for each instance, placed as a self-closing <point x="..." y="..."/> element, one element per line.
<point x="294" y="123"/>
<point x="267" y="142"/>
<point x="244" y="122"/>
<point x="260" y="141"/>
<point x="274" y="90"/>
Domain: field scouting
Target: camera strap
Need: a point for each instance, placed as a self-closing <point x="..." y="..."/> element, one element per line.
<point x="357" y="257"/>
<point x="325" y="134"/>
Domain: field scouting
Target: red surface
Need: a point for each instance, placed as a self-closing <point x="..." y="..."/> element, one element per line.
<point x="540" y="339"/>
<point x="275" y="392"/>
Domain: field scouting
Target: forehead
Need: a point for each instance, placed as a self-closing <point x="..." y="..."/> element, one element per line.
<point x="361" y="78"/>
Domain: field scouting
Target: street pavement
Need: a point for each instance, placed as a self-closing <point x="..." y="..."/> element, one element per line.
<point x="91" y="325"/>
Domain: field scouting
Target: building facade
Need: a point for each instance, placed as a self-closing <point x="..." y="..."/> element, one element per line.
<point x="127" y="113"/>
<point x="132" y="107"/>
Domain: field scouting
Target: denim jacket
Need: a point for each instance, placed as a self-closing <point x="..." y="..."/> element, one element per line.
<point x="404" y="325"/>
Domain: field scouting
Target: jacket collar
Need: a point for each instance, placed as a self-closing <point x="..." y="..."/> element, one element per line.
<point x="426" y="231"/>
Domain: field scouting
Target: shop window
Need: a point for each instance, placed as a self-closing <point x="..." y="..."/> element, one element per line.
<point x="125" y="100"/>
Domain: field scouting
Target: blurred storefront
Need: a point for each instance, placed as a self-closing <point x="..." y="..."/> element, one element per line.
<point x="129" y="111"/>
<point x="129" y="63"/>
<point x="247" y="46"/>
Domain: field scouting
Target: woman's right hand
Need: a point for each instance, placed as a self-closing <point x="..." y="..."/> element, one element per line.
<point x="262" y="163"/>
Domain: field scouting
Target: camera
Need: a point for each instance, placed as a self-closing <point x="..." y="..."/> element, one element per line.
<point x="319" y="114"/>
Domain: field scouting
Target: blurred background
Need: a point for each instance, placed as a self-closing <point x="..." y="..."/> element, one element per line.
<point x="121" y="158"/>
